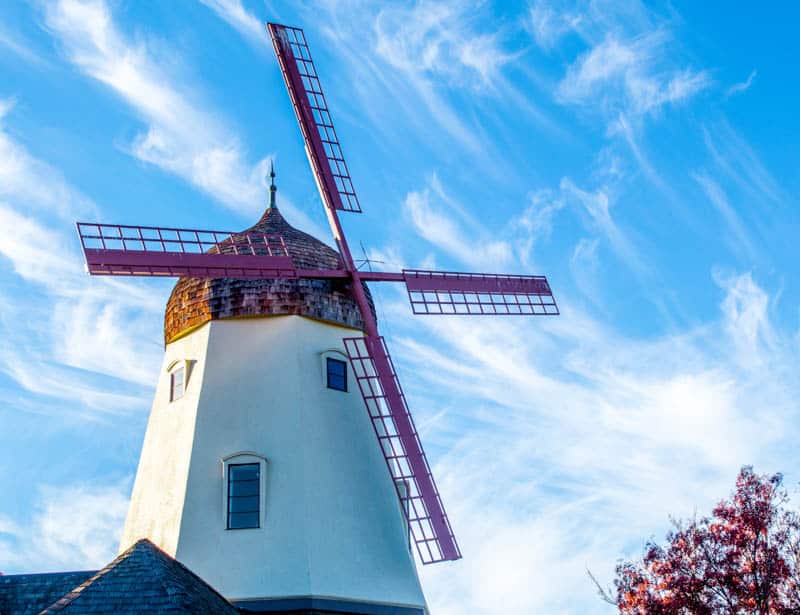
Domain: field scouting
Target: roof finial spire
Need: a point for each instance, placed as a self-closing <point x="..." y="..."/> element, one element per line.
<point x="272" y="187"/>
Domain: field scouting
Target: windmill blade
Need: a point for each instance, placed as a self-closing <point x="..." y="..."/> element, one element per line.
<point x="113" y="249"/>
<point x="402" y="449"/>
<point x="322" y="144"/>
<point x="446" y="292"/>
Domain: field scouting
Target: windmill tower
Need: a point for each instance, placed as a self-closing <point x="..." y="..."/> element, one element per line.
<point x="260" y="469"/>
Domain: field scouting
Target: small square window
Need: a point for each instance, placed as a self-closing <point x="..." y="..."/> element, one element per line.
<point x="244" y="483"/>
<point x="176" y="383"/>
<point x="337" y="374"/>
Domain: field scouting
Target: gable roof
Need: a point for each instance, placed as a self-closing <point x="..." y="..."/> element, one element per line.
<point x="27" y="594"/>
<point x="143" y="579"/>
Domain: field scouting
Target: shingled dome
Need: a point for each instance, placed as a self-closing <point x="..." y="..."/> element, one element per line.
<point x="195" y="301"/>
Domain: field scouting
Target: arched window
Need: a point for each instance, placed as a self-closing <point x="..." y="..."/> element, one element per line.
<point x="178" y="377"/>
<point x="244" y="479"/>
<point x="334" y="370"/>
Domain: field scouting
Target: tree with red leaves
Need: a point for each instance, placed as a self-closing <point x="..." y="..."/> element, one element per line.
<point x="745" y="559"/>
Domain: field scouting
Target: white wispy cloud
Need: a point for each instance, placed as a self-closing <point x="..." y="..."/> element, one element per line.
<point x="622" y="126"/>
<point x="741" y="164"/>
<point x="73" y="527"/>
<point x="430" y="42"/>
<point x="548" y="24"/>
<point x="593" y="439"/>
<point x="584" y="266"/>
<point x="434" y="63"/>
<point x="6" y="104"/>
<point x="435" y="217"/>
<point x="738" y="88"/>
<point x="38" y="374"/>
<point x="632" y="69"/>
<point x="183" y="136"/>
<point x="29" y="180"/>
<point x="535" y="223"/>
<point x="61" y="329"/>
<point x="413" y="41"/>
<point x="746" y="312"/>
<point x="597" y="204"/>
<point x="622" y="75"/>
<point x="234" y="13"/>
<point x="441" y="220"/>
<point x="741" y="241"/>
<point x="20" y="48"/>
<point x="437" y="39"/>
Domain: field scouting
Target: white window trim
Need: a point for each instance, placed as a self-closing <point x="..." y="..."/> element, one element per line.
<point x="246" y="457"/>
<point x="173" y="367"/>
<point x="333" y="353"/>
<point x="403" y="489"/>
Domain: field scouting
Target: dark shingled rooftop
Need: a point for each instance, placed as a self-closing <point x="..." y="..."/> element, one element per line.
<point x="28" y="594"/>
<point x="143" y="579"/>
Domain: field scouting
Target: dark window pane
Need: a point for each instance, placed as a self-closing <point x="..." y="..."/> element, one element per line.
<point x="238" y="521"/>
<point x="243" y="495"/>
<point x="246" y="471"/>
<point x="337" y="374"/>
<point x="243" y="504"/>
<point x="243" y="487"/>
<point x="336" y="367"/>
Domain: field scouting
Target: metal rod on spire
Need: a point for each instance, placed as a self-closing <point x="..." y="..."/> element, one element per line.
<point x="272" y="187"/>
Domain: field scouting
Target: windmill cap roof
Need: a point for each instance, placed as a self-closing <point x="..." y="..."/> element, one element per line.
<point x="195" y="301"/>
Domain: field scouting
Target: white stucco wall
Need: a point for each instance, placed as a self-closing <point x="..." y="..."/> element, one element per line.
<point x="332" y="526"/>
<point x="156" y="505"/>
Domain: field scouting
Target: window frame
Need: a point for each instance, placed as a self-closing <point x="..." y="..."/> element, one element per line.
<point x="403" y="492"/>
<point x="338" y="355"/>
<point x="229" y="512"/>
<point x="182" y="371"/>
<point x="239" y="459"/>
<point x="328" y="362"/>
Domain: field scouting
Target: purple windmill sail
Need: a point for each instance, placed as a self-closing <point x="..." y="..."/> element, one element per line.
<point x="158" y="251"/>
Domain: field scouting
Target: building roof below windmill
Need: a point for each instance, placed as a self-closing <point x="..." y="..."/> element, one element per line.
<point x="144" y="579"/>
<point x="28" y="594"/>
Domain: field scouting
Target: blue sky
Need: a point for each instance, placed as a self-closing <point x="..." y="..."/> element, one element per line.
<point x="645" y="158"/>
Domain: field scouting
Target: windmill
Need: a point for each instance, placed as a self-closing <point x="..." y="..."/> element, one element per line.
<point x="172" y="252"/>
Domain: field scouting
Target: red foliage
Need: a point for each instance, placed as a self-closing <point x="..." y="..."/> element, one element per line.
<point x="745" y="559"/>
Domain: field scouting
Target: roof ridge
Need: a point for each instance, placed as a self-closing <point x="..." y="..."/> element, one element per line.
<point x="70" y="596"/>
<point x="158" y="560"/>
<point x="164" y="555"/>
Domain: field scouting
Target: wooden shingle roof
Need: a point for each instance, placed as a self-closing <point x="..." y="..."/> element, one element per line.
<point x="195" y="301"/>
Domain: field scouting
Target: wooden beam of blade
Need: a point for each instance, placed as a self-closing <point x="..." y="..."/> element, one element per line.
<point x="446" y="292"/>
<point x="173" y="264"/>
<point x="322" y="144"/>
<point x="402" y="449"/>
<point x="116" y="249"/>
